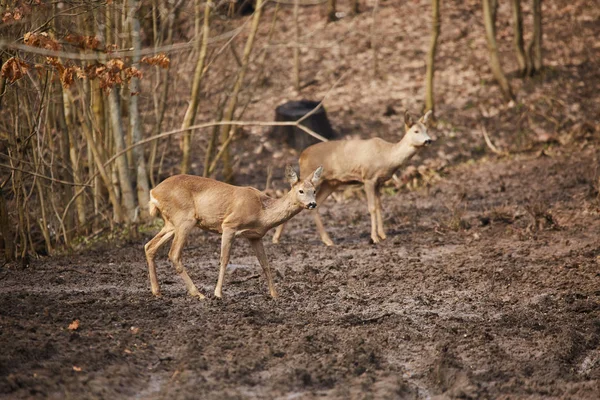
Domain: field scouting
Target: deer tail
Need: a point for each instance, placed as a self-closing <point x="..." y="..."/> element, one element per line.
<point x="153" y="206"/>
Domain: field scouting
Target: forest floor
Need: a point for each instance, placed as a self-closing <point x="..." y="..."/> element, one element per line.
<point x="488" y="285"/>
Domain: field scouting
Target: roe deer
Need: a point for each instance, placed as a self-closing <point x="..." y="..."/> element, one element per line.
<point x="185" y="201"/>
<point x="370" y="162"/>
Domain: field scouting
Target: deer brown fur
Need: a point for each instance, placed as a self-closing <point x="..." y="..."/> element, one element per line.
<point x="186" y="201"/>
<point x="370" y="162"/>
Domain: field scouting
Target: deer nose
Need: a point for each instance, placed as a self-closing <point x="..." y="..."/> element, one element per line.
<point x="312" y="205"/>
<point x="428" y="141"/>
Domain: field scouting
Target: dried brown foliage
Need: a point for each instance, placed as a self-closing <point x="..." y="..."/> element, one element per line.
<point x="84" y="42"/>
<point x="14" y="69"/>
<point x="159" y="59"/>
<point x="42" y="40"/>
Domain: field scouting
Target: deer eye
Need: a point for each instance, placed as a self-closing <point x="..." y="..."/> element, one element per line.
<point x="301" y="191"/>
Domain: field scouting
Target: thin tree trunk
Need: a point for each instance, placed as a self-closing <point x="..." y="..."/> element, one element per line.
<point x="331" y="10"/>
<point x="143" y="189"/>
<point x="374" y="39"/>
<point x="74" y="157"/>
<point x="488" y="19"/>
<point x="5" y="229"/>
<point x="355" y="7"/>
<point x="518" y="36"/>
<point x="535" y="46"/>
<point x="190" y="114"/>
<point x="435" y="33"/>
<point x="231" y="105"/>
<point x="296" y="46"/>
<point x="122" y="167"/>
<point x="104" y="174"/>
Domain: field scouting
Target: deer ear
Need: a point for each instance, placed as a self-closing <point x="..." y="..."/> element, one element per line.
<point x="290" y="175"/>
<point x="425" y="118"/>
<point x="316" y="177"/>
<point x="408" y="121"/>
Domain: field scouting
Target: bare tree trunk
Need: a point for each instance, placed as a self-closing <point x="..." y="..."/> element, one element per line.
<point x="296" y="46"/>
<point x="162" y="75"/>
<point x="373" y="38"/>
<point x="5" y="229"/>
<point x="190" y="114"/>
<point x="122" y="167"/>
<point x="331" y="10"/>
<point x="143" y="189"/>
<point x="518" y="36"/>
<point x="73" y="156"/>
<point x="355" y="7"/>
<point x="535" y="46"/>
<point x="488" y="19"/>
<point x="231" y="105"/>
<point x="435" y="33"/>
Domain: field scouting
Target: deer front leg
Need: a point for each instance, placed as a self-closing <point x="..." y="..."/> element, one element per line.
<point x="322" y="194"/>
<point x="151" y="248"/>
<point x="181" y="233"/>
<point x="278" y="233"/>
<point x="226" y="242"/>
<point x="259" y="250"/>
<point x="380" y="230"/>
<point x="370" y="188"/>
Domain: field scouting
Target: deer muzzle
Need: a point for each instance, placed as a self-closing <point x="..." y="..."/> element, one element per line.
<point x="311" y="205"/>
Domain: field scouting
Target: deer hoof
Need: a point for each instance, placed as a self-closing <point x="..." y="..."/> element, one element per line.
<point x="382" y="235"/>
<point x="156" y="293"/>
<point x="375" y="239"/>
<point x="328" y="242"/>
<point x="196" y="293"/>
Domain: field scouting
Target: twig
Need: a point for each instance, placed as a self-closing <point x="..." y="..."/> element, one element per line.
<point x="489" y="143"/>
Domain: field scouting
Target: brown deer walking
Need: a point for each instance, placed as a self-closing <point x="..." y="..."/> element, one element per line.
<point x="186" y="201"/>
<point x="370" y="162"/>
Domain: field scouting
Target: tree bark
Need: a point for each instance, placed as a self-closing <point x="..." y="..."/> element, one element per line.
<point x="143" y="189"/>
<point x="331" y="10"/>
<point x="488" y="19"/>
<point x="296" y="46"/>
<point x="517" y="17"/>
<point x="435" y="33"/>
<point x="122" y="167"/>
<point x="190" y="114"/>
<point x="5" y="229"/>
<point x="232" y="103"/>
<point x="535" y="46"/>
<point x="373" y="39"/>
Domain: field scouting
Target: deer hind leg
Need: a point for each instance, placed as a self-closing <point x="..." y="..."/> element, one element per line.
<point x="322" y="194"/>
<point x="259" y="250"/>
<point x="151" y="248"/>
<point x="181" y="233"/>
<point x="370" y="190"/>
<point x="378" y="211"/>
<point x="278" y="233"/>
<point x="226" y="242"/>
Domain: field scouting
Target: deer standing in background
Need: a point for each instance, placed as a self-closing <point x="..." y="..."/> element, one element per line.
<point x="186" y="201"/>
<point x="370" y="162"/>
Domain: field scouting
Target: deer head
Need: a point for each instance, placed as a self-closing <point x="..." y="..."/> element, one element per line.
<point x="416" y="132"/>
<point x="304" y="191"/>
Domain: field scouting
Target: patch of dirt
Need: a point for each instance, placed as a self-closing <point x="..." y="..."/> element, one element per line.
<point x="504" y="309"/>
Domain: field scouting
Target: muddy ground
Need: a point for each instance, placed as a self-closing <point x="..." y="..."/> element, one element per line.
<point x="487" y="287"/>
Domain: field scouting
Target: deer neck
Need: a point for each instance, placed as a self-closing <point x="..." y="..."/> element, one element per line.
<point x="278" y="211"/>
<point x="402" y="152"/>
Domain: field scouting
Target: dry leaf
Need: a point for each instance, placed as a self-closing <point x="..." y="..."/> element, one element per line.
<point x="76" y="368"/>
<point x="127" y="351"/>
<point x="74" y="325"/>
<point x="14" y="69"/>
<point x="135" y="330"/>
